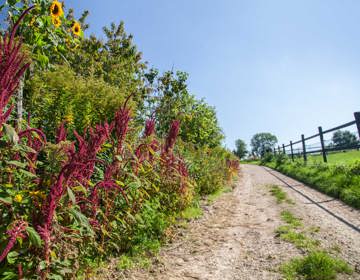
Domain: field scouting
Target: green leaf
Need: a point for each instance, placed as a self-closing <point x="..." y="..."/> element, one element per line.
<point x="5" y="199"/>
<point x="17" y="163"/>
<point x="11" y="257"/>
<point x="9" y="275"/>
<point x="27" y="173"/>
<point x="81" y="219"/>
<point x="71" y="195"/>
<point x="34" y="237"/>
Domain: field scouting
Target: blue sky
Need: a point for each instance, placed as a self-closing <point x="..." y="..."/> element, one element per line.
<point x="284" y="67"/>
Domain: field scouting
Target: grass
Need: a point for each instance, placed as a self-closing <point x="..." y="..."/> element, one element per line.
<point x="290" y="234"/>
<point x="193" y="212"/>
<point x="279" y="195"/>
<point x="212" y="197"/>
<point x="346" y="157"/>
<point x="317" y="265"/>
<point x="340" y="181"/>
<point x="290" y="219"/>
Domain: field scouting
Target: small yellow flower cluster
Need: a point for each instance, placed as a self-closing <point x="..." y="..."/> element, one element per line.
<point x="18" y="198"/>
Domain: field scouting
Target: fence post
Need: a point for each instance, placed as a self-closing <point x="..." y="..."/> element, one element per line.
<point x="283" y="146"/>
<point x="304" y="148"/>
<point x="322" y="144"/>
<point x="292" y="152"/>
<point x="274" y="151"/>
<point x="357" y="119"/>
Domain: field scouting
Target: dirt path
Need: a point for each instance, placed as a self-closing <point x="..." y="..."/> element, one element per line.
<point x="235" y="238"/>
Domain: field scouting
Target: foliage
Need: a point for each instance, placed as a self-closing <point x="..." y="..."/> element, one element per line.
<point x="47" y="30"/>
<point x="241" y="150"/>
<point x="93" y="181"/>
<point x="60" y="95"/>
<point x="172" y="100"/>
<point x="344" y="139"/>
<point x="262" y="143"/>
<point x="339" y="181"/>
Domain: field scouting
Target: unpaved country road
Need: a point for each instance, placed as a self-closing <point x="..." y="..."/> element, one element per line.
<point x="235" y="238"/>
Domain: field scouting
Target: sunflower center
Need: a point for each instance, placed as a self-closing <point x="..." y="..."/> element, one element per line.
<point x="77" y="29"/>
<point x="56" y="10"/>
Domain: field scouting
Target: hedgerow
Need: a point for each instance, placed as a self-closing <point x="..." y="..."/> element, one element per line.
<point x="77" y="190"/>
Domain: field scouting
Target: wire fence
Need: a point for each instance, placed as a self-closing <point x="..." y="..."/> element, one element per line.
<point x="322" y="144"/>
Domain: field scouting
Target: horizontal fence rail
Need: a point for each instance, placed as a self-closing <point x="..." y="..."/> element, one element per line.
<point x="322" y="147"/>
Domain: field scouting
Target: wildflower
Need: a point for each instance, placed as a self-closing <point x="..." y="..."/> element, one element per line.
<point x="17" y="231"/>
<point x="76" y="28"/>
<point x="12" y="67"/>
<point x="56" y="9"/>
<point x="56" y="21"/>
<point x="173" y="134"/>
<point x="18" y="198"/>
<point x="61" y="133"/>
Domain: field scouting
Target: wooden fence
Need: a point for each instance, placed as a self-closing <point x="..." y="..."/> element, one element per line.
<point x="323" y="148"/>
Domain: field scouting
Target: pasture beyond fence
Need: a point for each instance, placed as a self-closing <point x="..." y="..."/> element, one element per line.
<point x="322" y="148"/>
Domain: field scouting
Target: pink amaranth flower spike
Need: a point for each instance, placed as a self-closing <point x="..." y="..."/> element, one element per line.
<point x="12" y="67"/>
<point x="16" y="231"/>
<point x="61" y="133"/>
<point x="173" y="134"/>
<point x="149" y="127"/>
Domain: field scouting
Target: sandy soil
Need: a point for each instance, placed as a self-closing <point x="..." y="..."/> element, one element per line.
<point x="235" y="238"/>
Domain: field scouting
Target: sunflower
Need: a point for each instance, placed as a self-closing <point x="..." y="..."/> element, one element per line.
<point x="56" y="21"/>
<point x="56" y="9"/>
<point x="76" y="28"/>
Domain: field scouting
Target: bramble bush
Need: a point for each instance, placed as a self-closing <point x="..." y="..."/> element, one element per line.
<point x="75" y="191"/>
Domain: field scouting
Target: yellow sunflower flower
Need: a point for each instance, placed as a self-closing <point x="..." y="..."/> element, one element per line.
<point x="18" y="198"/>
<point x="76" y="28"/>
<point x="56" y="9"/>
<point x="56" y="21"/>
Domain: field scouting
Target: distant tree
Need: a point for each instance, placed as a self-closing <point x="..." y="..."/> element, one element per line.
<point x="344" y="138"/>
<point x="261" y="143"/>
<point x="241" y="150"/>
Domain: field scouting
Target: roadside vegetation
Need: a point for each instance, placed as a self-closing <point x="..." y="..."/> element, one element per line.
<point x="317" y="263"/>
<point x="340" y="181"/>
<point x="99" y="155"/>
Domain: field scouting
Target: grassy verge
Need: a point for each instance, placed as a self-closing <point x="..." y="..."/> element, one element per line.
<point x="338" y="181"/>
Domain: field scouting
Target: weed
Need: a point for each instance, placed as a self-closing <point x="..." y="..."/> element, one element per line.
<point x="212" y="197"/>
<point x="290" y="219"/>
<point x="192" y="212"/>
<point x="318" y="265"/>
<point x="280" y="195"/>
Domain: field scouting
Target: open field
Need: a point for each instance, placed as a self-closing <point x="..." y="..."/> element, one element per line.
<point x="345" y="157"/>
